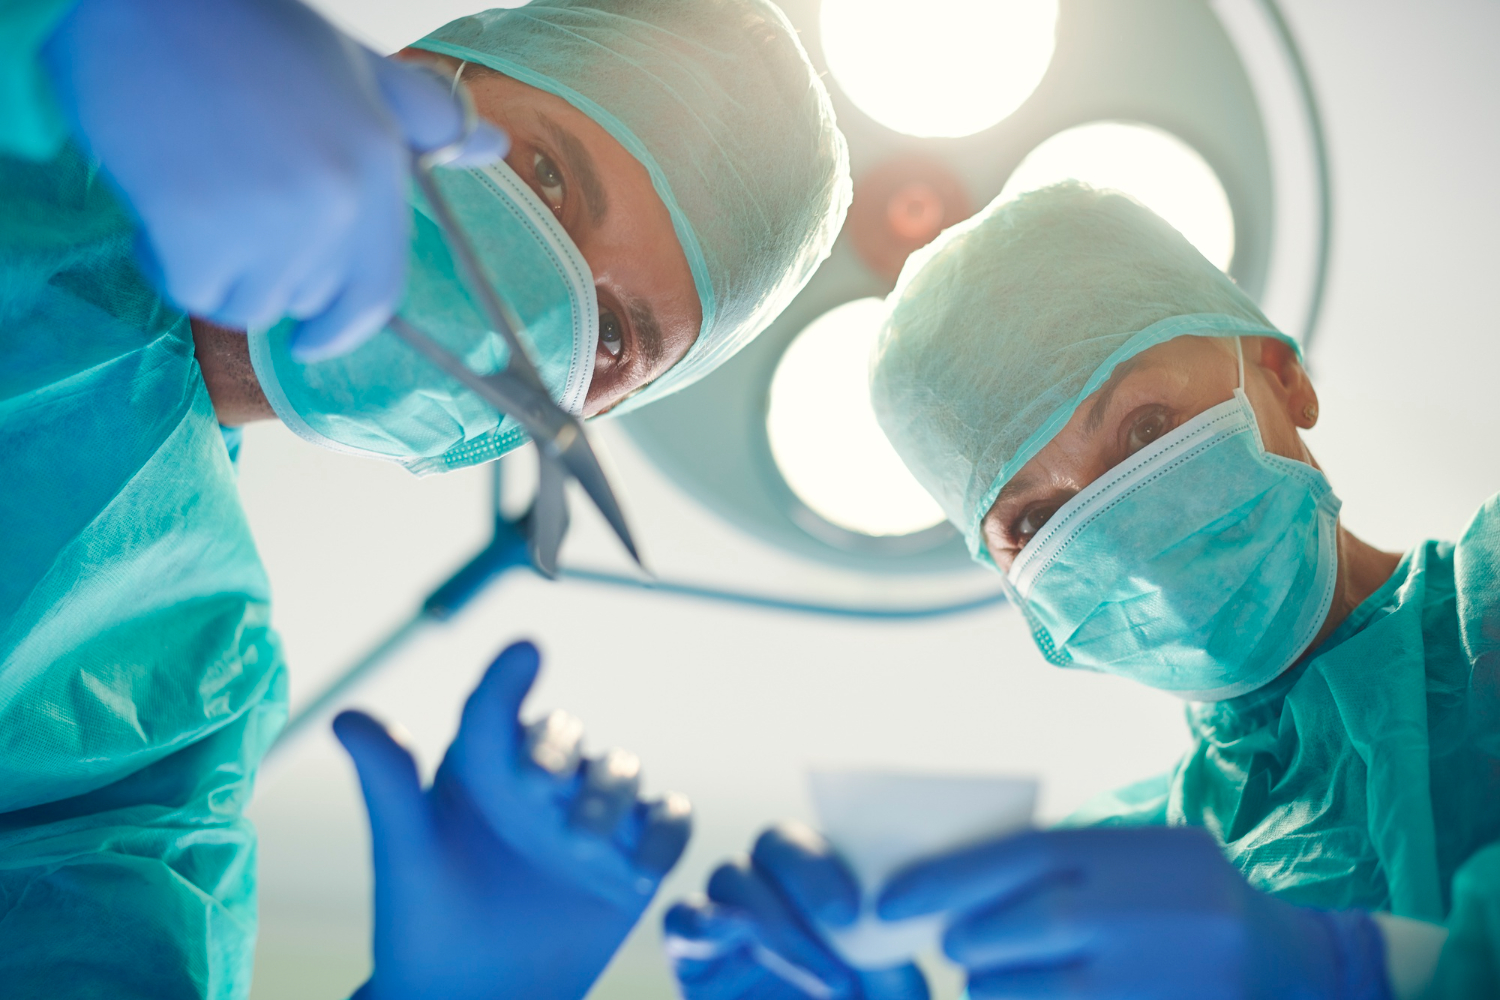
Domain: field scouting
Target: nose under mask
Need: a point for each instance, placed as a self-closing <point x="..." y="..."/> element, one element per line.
<point x="384" y="400"/>
<point x="1202" y="565"/>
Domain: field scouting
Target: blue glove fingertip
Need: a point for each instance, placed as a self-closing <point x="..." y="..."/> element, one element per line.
<point x="666" y="829"/>
<point x="330" y="335"/>
<point x="311" y="342"/>
<point x="486" y="144"/>
<point x="904" y="982"/>
<point x="967" y="877"/>
<point x="699" y="930"/>
<point x="422" y="100"/>
<point x="908" y="894"/>
<point x="370" y="743"/>
<point x="784" y="945"/>
<point x="804" y="866"/>
<point x="352" y="726"/>
<point x="509" y="678"/>
<point x="519" y="656"/>
<point x="606" y="793"/>
<point x="490" y="730"/>
<point x="724" y="881"/>
<point x="366" y="292"/>
<point x="389" y="778"/>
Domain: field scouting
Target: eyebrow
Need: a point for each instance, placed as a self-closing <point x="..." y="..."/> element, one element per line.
<point x="582" y="162"/>
<point x="647" y="331"/>
<point x="1019" y="483"/>
<point x="1100" y="406"/>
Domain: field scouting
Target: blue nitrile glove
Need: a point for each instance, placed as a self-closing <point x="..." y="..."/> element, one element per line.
<point x="265" y="153"/>
<point x="1147" y="912"/>
<point x="753" y="937"/>
<point x="520" y="871"/>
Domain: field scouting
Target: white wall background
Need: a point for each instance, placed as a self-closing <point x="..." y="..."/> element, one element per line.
<point x="731" y="705"/>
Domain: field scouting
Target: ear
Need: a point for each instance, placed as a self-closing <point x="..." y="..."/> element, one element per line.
<point x="1286" y="376"/>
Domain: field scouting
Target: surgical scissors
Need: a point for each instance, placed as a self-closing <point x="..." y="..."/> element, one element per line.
<point x="517" y="391"/>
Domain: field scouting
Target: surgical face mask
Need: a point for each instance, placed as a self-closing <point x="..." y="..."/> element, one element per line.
<point x="384" y="400"/>
<point x="1202" y="565"/>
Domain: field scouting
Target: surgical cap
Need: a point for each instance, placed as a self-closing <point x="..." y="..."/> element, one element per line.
<point x="719" y="102"/>
<point x="1003" y="326"/>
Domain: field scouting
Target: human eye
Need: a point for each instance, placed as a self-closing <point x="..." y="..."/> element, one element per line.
<point x="1146" y="427"/>
<point x="1031" y="520"/>
<point x="549" y="181"/>
<point x="611" y="332"/>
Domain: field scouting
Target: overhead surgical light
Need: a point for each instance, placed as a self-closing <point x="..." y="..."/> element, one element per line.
<point x="780" y="441"/>
<point x="900" y="206"/>
<point x="1203" y="111"/>
<point x="938" y="67"/>
<point x="823" y="432"/>
<point x="1151" y="165"/>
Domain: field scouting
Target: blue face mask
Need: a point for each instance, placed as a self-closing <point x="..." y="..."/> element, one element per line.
<point x="1202" y="565"/>
<point x="384" y="400"/>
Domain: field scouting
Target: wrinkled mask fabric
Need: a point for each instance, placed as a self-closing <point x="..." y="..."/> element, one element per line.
<point x="384" y="400"/>
<point x="1203" y="565"/>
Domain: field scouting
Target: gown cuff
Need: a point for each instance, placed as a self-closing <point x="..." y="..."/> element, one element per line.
<point x="1360" y="954"/>
<point x="31" y="123"/>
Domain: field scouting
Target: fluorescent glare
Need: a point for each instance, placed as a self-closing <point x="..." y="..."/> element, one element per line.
<point x="823" y="432"/>
<point x="938" y="67"/>
<point x="1152" y="166"/>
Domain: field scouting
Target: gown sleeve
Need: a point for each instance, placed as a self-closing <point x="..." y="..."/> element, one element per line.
<point x="144" y="888"/>
<point x="140" y="681"/>
<point x="1469" y="967"/>
<point x="1143" y="803"/>
<point x="31" y="124"/>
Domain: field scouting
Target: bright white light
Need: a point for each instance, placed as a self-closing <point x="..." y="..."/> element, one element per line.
<point x="938" y="67"/>
<point x="824" y="435"/>
<point x="1154" y="167"/>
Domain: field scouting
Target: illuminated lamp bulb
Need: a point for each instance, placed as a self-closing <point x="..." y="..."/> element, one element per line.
<point x="901" y="206"/>
<point x="938" y="67"/>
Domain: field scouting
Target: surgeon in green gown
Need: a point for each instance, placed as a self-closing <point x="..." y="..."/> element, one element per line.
<point x="1044" y="345"/>
<point x="1115" y="427"/>
<point x="140" y="679"/>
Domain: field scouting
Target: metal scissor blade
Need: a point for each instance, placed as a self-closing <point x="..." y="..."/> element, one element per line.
<point x="519" y="385"/>
<point x="558" y="434"/>
<point x="584" y="465"/>
<point x="474" y="277"/>
<point x="547" y="523"/>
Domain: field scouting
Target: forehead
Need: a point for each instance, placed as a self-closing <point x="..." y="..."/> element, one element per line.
<point x="1163" y="366"/>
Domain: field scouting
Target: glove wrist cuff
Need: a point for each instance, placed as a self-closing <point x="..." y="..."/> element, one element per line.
<point x="1358" y="950"/>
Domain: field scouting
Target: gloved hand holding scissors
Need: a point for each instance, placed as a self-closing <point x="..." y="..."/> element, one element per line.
<point x="266" y="155"/>
<point x="523" y="867"/>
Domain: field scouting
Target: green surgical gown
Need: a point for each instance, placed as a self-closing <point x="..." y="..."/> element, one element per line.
<point x="139" y="679"/>
<point x="1368" y="776"/>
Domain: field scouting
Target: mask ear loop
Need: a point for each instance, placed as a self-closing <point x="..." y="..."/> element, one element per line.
<point x="1244" y="398"/>
<point x="457" y="75"/>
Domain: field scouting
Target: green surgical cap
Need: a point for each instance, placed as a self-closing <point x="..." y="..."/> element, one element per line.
<point x="719" y="102"/>
<point x="1004" y="325"/>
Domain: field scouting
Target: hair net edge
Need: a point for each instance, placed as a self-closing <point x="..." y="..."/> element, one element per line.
<point x="687" y="236"/>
